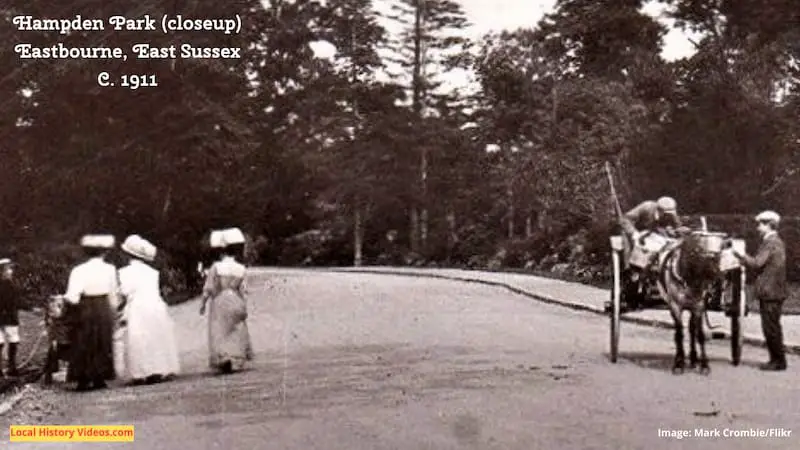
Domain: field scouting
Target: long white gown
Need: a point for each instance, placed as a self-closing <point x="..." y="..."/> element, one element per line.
<point x="150" y="347"/>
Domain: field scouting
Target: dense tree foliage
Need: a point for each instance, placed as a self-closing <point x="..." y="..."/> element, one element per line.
<point x="362" y="154"/>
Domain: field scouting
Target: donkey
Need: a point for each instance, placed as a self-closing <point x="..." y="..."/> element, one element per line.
<point x="687" y="276"/>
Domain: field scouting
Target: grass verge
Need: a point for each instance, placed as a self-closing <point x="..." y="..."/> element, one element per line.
<point x="790" y="308"/>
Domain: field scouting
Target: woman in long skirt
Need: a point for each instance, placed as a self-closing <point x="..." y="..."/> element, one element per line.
<point x="228" y="336"/>
<point x="150" y="348"/>
<point x="92" y="291"/>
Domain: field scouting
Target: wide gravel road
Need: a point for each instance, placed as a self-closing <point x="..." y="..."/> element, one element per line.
<point x="364" y="361"/>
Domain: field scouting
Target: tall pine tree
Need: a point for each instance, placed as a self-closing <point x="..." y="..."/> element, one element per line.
<point x="430" y="45"/>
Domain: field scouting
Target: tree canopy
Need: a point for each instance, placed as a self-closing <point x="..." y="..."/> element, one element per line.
<point x="366" y="142"/>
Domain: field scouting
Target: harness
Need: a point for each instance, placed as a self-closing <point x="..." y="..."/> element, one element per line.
<point x="668" y="263"/>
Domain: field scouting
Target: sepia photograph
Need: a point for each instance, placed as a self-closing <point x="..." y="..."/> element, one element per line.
<point x="400" y="224"/>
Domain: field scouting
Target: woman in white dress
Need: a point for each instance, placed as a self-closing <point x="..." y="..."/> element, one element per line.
<point x="228" y="337"/>
<point x="150" y="347"/>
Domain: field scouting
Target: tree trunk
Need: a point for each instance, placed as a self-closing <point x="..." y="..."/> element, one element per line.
<point x="554" y="112"/>
<point x="358" y="225"/>
<point x="413" y="240"/>
<point x="541" y="220"/>
<point x="167" y="203"/>
<point x="511" y="212"/>
<point x="528" y="227"/>
<point x="358" y="237"/>
<point x="423" y="217"/>
<point x="419" y="217"/>
<point x="452" y="236"/>
<point x="416" y="81"/>
<point x="423" y="230"/>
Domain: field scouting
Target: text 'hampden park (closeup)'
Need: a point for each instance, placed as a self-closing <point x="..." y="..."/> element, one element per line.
<point x="166" y="24"/>
<point x="158" y="25"/>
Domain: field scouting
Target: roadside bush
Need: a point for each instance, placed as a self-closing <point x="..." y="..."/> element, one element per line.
<point x="42" y="273"/>
<point x="526" y="252"/>
<point x="569" y="246"/>
<point x="304" y="248"/>
<point x="178" y="284"/>
<point x="475" y="242"/>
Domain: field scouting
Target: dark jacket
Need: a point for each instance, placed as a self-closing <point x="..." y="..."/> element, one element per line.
<point x="9" y="303"/>
<point x="769" y="268"/>
<point x="646" y="217"/>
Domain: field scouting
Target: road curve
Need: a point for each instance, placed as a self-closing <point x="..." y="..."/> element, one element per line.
<point x="363" y="361"/>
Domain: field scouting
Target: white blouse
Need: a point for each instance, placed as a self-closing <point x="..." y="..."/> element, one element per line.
<point x="229" y="267"/>
<point x="95" y="277"/>
<point x="139" y="280"/>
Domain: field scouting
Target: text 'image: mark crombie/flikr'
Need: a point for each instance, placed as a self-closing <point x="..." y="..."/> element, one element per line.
<point x="725" y="433"/>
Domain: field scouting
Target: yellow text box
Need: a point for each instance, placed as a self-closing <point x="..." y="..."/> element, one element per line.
<point x="71" y="433"/>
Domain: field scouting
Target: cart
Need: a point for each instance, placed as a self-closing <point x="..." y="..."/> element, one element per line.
<point x="730" y="298"/>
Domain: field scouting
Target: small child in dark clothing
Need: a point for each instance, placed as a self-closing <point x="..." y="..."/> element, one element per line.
<point x="9" y="316"/>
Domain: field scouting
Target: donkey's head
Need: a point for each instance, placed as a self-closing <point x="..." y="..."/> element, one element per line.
<point x="698" y="265"/>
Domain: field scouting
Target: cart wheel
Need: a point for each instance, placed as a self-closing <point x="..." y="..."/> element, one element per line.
<point x="738" y="309"/>
<point x="736" y="340"/>
<point x="615" y="307"/>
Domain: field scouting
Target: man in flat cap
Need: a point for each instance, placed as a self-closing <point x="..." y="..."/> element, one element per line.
<point x="769" y="266"/>
<point x="9" y="316"/>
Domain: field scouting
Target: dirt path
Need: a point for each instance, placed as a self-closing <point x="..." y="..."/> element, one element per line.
<point x="351" y="361"/>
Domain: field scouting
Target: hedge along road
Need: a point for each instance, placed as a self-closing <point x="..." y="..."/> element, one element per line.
<point x="366" y="361"/>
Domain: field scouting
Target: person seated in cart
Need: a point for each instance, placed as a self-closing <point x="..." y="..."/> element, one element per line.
<point x="648" y="217"/>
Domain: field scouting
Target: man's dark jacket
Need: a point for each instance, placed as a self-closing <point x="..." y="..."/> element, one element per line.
<point x="9" y="303"/>
<point x="769" y="268"/>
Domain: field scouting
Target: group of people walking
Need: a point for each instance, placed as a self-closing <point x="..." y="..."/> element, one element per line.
<point x="103" y="303"/>
<point x="768" y="266"/>
<point x="101" y="298"/>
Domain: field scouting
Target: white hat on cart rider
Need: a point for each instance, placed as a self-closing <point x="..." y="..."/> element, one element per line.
<point x="667" y="205"/>
<point x="769" y="217"/>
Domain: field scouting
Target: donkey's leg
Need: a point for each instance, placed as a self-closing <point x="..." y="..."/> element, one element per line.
<point x="697" y="316"/>
<point x="680" y="355"/>
<point x="693" y="339"/>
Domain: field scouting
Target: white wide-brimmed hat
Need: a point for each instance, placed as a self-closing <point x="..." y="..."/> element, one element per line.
<point x="216" y="240"/>
<point x="139" y="247"/>
<point x="98" y="241"/>
<point x="768" y="216"/>
<point x="5" y="261"/>
<point x="232" y="236"/>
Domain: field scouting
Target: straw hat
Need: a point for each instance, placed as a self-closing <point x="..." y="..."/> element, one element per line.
<point x="98" y="241"/>
<point x="139" y="247"/>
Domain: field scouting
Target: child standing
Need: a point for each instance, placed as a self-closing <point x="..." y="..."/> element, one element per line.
<point x="9" y="316"/>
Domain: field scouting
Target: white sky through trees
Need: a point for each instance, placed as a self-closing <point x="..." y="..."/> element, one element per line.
<point x="496" y="15"/>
